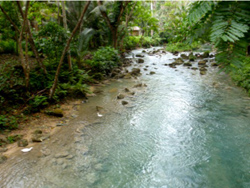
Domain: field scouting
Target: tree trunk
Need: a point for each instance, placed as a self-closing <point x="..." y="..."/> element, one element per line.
<point x="31" y="40"/>
<point x="24" y="63"/>
<point x="114" y="37"/>
<point x="66" y="27"/>
<point x="53" y="88"/>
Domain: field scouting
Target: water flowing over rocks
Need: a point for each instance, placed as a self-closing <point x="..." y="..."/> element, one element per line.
<point x="149" y="125"/>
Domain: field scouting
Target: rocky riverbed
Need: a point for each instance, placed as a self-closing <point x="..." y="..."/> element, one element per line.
<point x="161" y="122"/>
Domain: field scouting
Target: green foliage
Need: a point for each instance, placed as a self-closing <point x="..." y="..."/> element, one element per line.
<point x="227" y="24"/>
<point x="181" y="47"/>
<point x="144" y="18"/>
<point x="131" y="42"/>
<point x="242" y="75"/>
<point x="51" y="40"/>
<point x="6" y="29"/>
<point x="11" y="76"/>
<point x="104" y="60"/>
<point x="8" y="122"/>
<point x="38" y="101"/>
<point x="8" y="46"/>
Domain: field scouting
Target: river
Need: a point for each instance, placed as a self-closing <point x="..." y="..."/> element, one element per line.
<point x="180" y="130"/>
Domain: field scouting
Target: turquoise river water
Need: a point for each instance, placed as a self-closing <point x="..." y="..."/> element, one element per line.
<point x="184" y="130"/>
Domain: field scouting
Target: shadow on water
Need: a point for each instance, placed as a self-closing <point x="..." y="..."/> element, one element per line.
<point x="179" y="131"/>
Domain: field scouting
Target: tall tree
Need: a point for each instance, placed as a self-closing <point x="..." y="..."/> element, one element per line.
<point x="117" y="13"/>
<point x="25" y="64"/>
<point x="31" y="40"/>
<point x="66" y="28"/>
<point x="53" y="88"/>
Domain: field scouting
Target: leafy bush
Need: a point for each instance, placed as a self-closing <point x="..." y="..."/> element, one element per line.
<point x="8" y="122"/>
<point x="104" y="60"/>
<point x="242" y="75"/>
<point x="131" y="42"/>
<point x="51" y="40"/>
<point x="180" y="47"/>
<point x="7" y="46"/>
<point x="39" y="101"/>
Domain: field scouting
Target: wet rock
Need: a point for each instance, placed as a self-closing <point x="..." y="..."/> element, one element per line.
<point x="205" y="54"/>
<point x="120" y="96"/>
<point x="38" y="131"/>
<point x="214" y="64"/>
<point x="145" y="69"/>
<point x="62" y="154"/>
<point x="139" y="55"/>
<point x="57" y="112"/>
<point x="69" y="157"/>
<point x="127" y="76"/>
<point x="202" y="63"/>
<point x="184" y="56"/>
<point x="202" y="72"/>
<point x="99" y="108"/>
<point x="124" y="102"/>
<point x="132" y="93"/>
<point x="22" y="143"/>
<point x="61" y="124"/>
<point x="138" y="85"/>
<point x="3" y="150"/>
<point x="191" y="57"/>
<point x="187" y="64"/>
<point x="194" y="68"/>
<point x="143" y="51"/>
<point x="172" y="65"/>
<point x="126" y="90"/>
<point x="40" y="137"/>
<point x="3" y="158"/>
<point x="175" y="53"/>
<point x="178" y="61"/>
<point x="140" y="60"/>
<point x="203" y="69"/>
<point x="135" y="71"/>
<point x="152" y="72"/>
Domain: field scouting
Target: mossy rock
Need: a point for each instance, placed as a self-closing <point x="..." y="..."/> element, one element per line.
<point x="120" y="96"/>
<point x="192" y="57"/>
<point x="38" y="132"/>
<point x="188" y="64"/>
<point x="57" y="112"/>
<point x="140" y="60"/>
<point x="206" y="54"/>
<point x="22" y="143"/>
<point x="2" y="158"/>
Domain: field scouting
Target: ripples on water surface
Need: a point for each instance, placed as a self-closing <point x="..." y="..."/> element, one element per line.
<point x="180" y="131"/>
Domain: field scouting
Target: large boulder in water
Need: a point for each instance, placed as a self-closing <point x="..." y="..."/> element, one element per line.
<point x="205" y="54"/>
<point x="191" y="57"/>
<point x="188" y="64"/>
<point x="140" y="60"/>
<point x="184" y="56"/>
<point x="202" y="63"/>
<point x="139" y="55"/>
<point x="135" y="72"/>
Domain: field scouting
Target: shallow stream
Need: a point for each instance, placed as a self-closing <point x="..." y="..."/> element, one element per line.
<point x="182" y="130"/>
